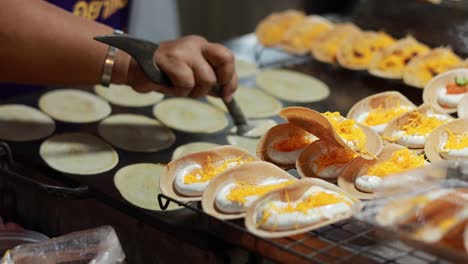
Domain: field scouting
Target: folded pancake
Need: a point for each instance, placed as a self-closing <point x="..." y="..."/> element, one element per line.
<point x="413" y="128"/>
<point x="270" y="31"/>
<point x="363" y="177"/>
<point x="300" y="38"/>
<point x="446" y="90"/>
<point x="230" y="194"/>
<point x="298" y="208"/>
<point x="186" y="178"/>
<point x="406" y="210"/>
<point x="327" y="45"/>
<point x="392" y="61"/>
<point x="336" y="128"/>
<point x="461" y="65"/>
<point x="423" y="68"/>
<point x="377" y="110"/>
<point x="340" y="141"/>
<point x="358" y="51"/>
<point x="282" y="144"/>
<point x="448" y="142"/>
<point x="325" y="159"/>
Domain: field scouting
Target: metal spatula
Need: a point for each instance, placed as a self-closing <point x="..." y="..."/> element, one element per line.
<point x="143" y="51"/>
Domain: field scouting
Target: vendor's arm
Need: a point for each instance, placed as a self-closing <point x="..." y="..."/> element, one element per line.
<point x="43" y="44"/>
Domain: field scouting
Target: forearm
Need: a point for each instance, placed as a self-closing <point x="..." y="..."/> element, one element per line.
<point x="43" y="44"/>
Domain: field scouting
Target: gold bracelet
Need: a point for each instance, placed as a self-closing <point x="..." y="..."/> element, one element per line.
<point x="109" y="63"/>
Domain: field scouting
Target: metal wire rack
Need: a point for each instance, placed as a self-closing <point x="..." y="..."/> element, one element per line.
<point x="350" y="241"/>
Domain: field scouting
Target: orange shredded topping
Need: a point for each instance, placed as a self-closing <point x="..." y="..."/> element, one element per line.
<point x="401" y="160"/>
<point x="453" y="88"/>
<point x="293" y="143"/>
<point x="208" y="172"/>
<point x="244" y="189"/>
<point x="338" y="156"/>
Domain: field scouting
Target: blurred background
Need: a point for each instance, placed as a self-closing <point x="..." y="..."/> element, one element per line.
<point x="216" y="20"/>
<point x="220" y="20"/>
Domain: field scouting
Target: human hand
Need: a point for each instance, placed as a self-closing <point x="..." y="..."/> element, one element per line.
<point x="194" y="66"/>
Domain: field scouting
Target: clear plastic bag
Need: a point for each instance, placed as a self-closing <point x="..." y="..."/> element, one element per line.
<point x="427" y="208"/>
<point x="95" y="246"/>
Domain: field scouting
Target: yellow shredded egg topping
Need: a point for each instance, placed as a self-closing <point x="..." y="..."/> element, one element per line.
<point x="380" y="115"/>
<point x="346" y="128"/>
<point x="364" y="48"/>
<point x="271" y="30"/>
<point x="420" y="124"/>
<point x="302" y="35"/>
<point x="401" y="160"/>
<point x="400" y="57"/>
<point x="331" y="46"/>
<point x="206" y="173"/>
<point x="456" y="141"/>
<point x="338" y="156"/>
<point x="244" y="189"/>
<point x="437" y="64"/>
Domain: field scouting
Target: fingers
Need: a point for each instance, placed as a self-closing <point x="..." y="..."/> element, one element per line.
<point x="227" y="91"/>
<point x="221" y="60"/>
<point x="140" y="83"/>
<point x="193" y="65"/>
<point x="205" y="77"/>
<point x="179" y="72"/>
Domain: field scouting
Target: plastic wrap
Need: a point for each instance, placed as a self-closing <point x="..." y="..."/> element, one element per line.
<point x="94" y="246"/>
<point x="427" y="208"/>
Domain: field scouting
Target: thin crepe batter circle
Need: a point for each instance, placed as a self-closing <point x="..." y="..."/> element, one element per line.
<point x="124" y="95"/>
<point x="139" y="185"/>
<point x="74" y="106"/>
<point x="24" y="123"/>
<point x="253" y="102"/>
<point x="136" y="133"/>
<point x="193" y="147"/>
<point x="190" y="115"/>
<point x="78" y="153"/>
<point x="245" y="68"/>
<point x="292" y="86"/>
